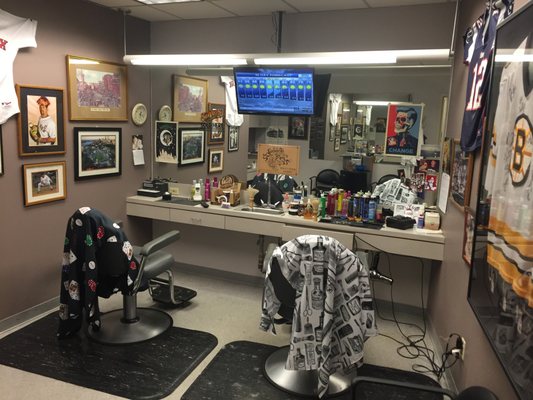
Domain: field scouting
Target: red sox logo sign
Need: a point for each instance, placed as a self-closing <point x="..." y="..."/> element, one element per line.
<point x="3" y="43"/>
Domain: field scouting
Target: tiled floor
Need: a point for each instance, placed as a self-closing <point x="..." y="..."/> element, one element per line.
<point x="230" y="310"/>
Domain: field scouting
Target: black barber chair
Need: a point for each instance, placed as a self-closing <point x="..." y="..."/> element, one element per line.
<point x="471" y="393"/>
<point x="132" y="324"/>
<point x="324" y="181"/>
<point x="300" y="383"/>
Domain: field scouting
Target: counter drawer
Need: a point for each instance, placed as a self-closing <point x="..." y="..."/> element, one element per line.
<point x="257" y="227"/>
<point x="290" y="232"/>
<point x="139" y="210"/>
<point x="197" y="218"/>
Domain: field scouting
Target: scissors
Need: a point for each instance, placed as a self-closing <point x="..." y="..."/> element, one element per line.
<point x="307" y="311"/>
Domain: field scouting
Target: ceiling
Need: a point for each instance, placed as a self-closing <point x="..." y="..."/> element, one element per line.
<point x="242" y="8"/>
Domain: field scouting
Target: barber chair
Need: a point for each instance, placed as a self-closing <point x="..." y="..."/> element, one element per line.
<point x="296" y="382"/>
<point x="132" y="324"/>
<point x="324" y="181"/>
<point x="471" y="393"/>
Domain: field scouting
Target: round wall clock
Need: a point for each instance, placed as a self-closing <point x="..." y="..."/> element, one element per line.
<point x="165" y="113"/>
<point x="139" y="113"/>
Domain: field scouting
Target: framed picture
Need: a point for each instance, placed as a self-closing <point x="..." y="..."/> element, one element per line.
<point x="337" y="144"/>
<point x="41" y="121"/>
<point x="97" y="90"/>
<point x="381" y="123"/>
<point x="44" y="182"/>
<point x="216" y="160"/>
<point x="166" y="142"/>
<point x="233" y="138"/>
<point x="462" y="166"/>
<point x="345" y="116"/>
<point x="215" y="133"/>
<point x="331" y="132"/>
<point x="468" y="239"/>
<point x="446" y="155"/>
<point x="298" y="128"/>
<point x="344" y="134"/>
<point x="190" y="98"/>
<point x="402" y="132"/>
<point x="191" y="146"/>
<point x="217" y="107"/>
<point x="1" y="153"/>
<point x="97" y="152"/>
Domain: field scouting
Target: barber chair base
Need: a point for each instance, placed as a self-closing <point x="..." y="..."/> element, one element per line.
<point x="114" y="330"/>
<point x="302" y="383"/>
<point x="159" y="290"/>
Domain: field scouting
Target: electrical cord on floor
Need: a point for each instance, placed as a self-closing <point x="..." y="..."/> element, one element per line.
<point x="416" y="345"/>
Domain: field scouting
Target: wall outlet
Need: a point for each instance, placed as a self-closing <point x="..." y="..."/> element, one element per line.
<point x="460" y="347"/>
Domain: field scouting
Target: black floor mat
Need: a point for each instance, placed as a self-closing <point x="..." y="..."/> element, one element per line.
<point x="148" y="370"/>
<point x="236" y="373"/>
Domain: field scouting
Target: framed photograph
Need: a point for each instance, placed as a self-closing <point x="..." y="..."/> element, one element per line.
<point x="344" y="133"/>
<point x="191" y="146"/>
<point x="41" y="121"/>
<point x="1" y="153"/>
<point x="190" y="98"/>
<point x="166" y="142"/>
<point x="218" y="107"/>
<point x="381" y="124"/>
<point x="402" y="134"/>
<point x="462" y="166"/>
<point x="97" y="152"/>
<point x="468" y="239"/>
<point x="446" y="154"/>
<point x="337" y="144"/>
<point x="215" y="133"/>
<point x="216" y="160"/>
<point x="332" y="132"/>
<point x="233" y="138"/>
<point x="44" y="182"/>
<point x="298" y="128"/>
<point x="97" y="90"/>
<point x="345" y="116"/>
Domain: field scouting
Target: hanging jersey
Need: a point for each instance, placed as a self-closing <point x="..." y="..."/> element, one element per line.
<point x="479" y="72"/>
<point x="232" y="115"/>
<point x="15" y="33"/>
<point x="334" y="102"/>
<point x="509" y="177"/>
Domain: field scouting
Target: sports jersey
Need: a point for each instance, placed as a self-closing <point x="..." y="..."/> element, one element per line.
<point x="15" y="33"/>
<point x="509" y="177"/>
<point x="232" y="115"/>
<point x="335" y="101"/>
<point x="479" y="72"/>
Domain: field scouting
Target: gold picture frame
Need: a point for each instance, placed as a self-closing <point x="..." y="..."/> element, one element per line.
<point x="189" y="98"/>
<point x="97" y="90"/>
<point x="44" y="182"/>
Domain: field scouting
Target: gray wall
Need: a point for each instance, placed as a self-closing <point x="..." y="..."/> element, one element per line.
<point x="32" y="238"/>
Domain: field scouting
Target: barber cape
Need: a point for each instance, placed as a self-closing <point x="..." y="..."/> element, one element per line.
<point x="86" y="273"/>
<point x="333" y="313"/>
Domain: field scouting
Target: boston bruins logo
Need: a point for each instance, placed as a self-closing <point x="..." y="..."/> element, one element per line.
<point x="522" y="149"/>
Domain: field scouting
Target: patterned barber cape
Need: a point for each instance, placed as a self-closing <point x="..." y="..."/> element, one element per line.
<point x="86" y="273"/>
<point x="333" y="313"/>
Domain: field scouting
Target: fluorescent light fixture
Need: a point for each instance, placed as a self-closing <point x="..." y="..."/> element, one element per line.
<point x="372" y="103"/>
<point x="327" y="58"/>
<point x="185" y="59"/>
<point x="504" y="58"/>
<point x="165" y="1"/>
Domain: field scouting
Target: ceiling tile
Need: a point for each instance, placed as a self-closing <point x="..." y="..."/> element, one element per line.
<point x="196" y="10"/>
<point x="394" y="3"/>
<point x="151" y="14"/>
<point x="322" y="5"/>
<point x="117" y="3"/>
<point x="253" y="7"/>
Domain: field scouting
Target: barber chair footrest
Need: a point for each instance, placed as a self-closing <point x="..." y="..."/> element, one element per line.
<point x="159" y="290"/>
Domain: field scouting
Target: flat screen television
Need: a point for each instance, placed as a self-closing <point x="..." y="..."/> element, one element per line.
<point x="275" y="91"/>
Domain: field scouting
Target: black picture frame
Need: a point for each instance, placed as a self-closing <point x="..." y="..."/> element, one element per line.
<point x="461" y="179"/>
<point x="233" y="138"/>
<point x="36" y="138"/>
<point x="298" y="128"/>
<point x="191" y="146"/>
<point x="499" y="275"/>
<point x="97" y="152"/>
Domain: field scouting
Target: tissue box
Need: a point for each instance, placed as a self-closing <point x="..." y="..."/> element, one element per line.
<point x="432" y="221"/>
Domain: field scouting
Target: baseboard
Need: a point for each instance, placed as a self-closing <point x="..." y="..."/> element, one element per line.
<point x="220" y="274"/>
<point x="28" y="314"/>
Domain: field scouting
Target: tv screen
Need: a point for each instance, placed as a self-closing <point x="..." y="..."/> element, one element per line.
<point x="278" y="91"/>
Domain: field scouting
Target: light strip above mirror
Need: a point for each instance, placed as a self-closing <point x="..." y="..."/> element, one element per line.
<point x="345" y="58"/>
